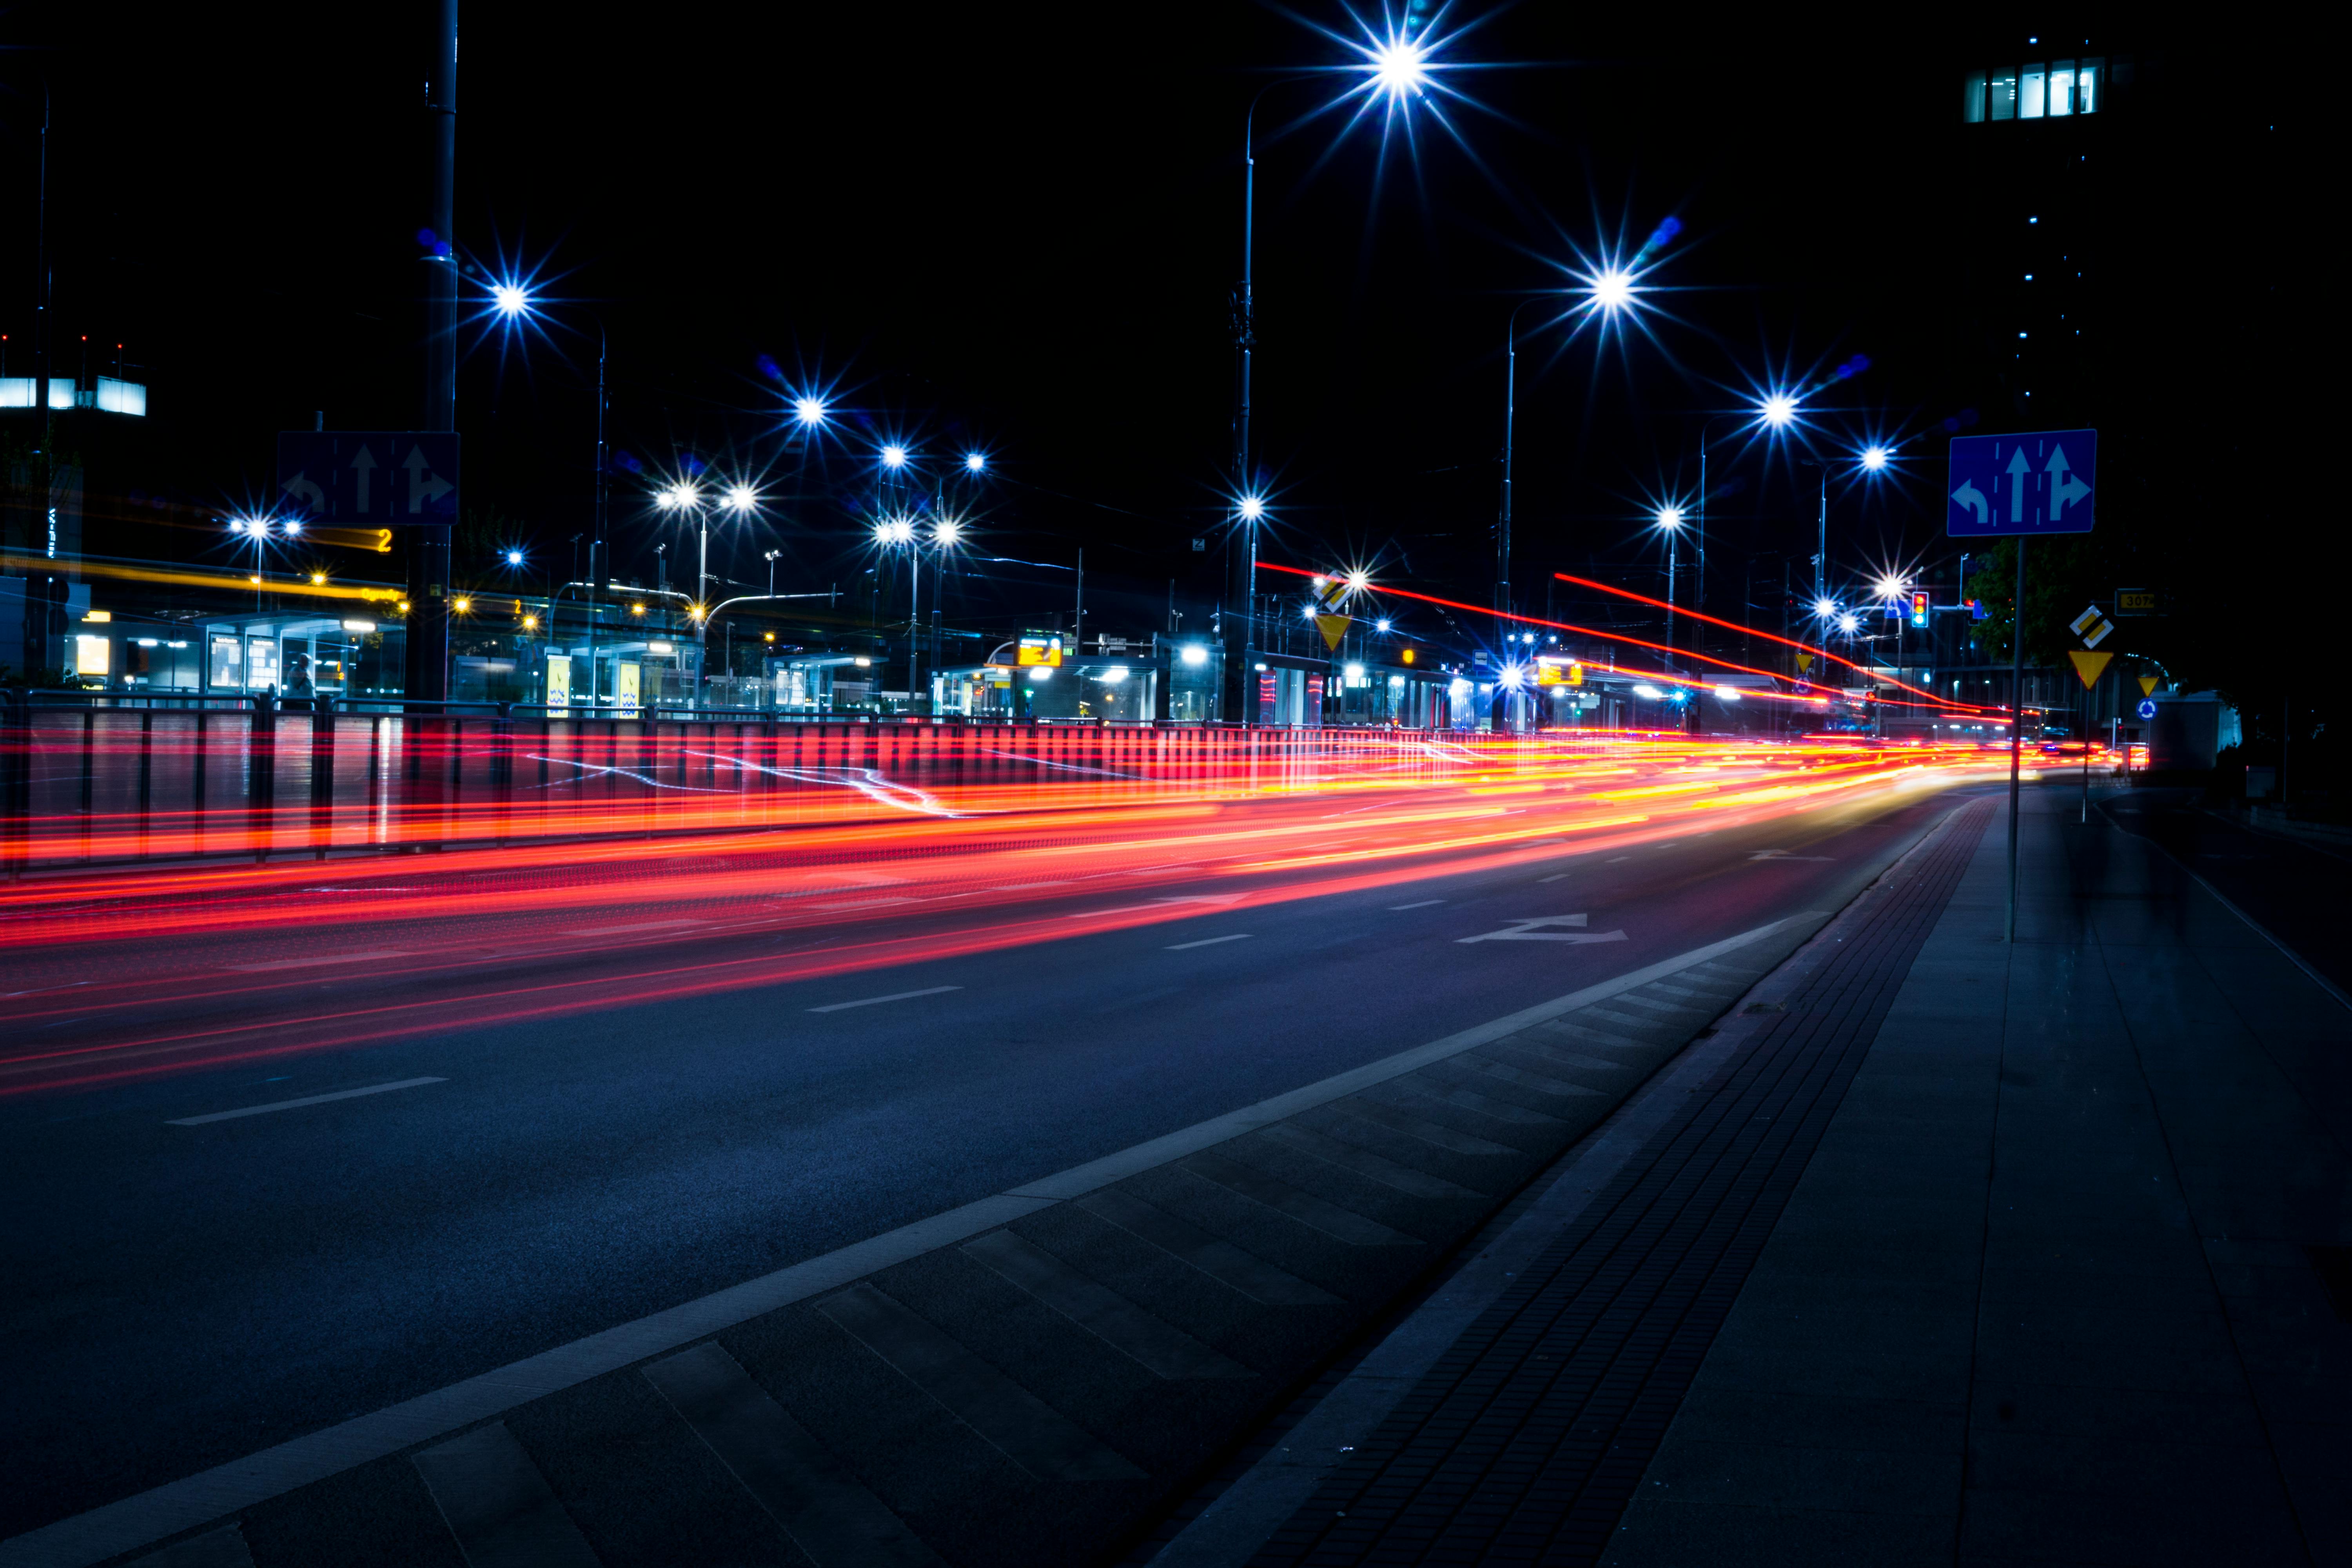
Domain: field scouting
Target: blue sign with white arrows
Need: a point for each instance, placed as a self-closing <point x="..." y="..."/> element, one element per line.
<point x="389" y="478"/>
<point x="2039" y="483"/>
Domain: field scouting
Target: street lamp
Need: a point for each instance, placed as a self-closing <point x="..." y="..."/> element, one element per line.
<point x="894" y="456"/>
<point x="1396" y="67"/>
<point x="975" y="462"/>
<point x="686" y="497"/>
<point x="1606" y="291"/>
<point x="809" y="412"/>
<point x="1670" y="523"/>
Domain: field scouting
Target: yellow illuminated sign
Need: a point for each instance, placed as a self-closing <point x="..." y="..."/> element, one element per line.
<point x="1558" y="672"/>
<point x="1039" y="651"/>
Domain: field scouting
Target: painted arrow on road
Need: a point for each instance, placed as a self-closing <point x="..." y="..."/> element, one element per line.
<point x="1158" y="904"/>
<point x="1531" y="929"/>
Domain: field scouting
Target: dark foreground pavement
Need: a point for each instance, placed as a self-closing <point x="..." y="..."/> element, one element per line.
<point x="1944" y="1250"/>
<point x="1064" y="1221"/>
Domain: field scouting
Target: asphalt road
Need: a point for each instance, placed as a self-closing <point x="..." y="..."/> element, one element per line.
<point x="180" y="1293"/>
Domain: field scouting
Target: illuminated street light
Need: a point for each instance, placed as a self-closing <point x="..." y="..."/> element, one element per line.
<point x="1890" y="587"/>
<point x="1613" y="290"/>
<point x="512" y="299"/>
<point x="514" y="557"/>
<point x="1399" y="67"/>
<point x="1380" y="626"/>
<point x="1849" y="623"/>
<point x="1252" y="508"/>
<point x="1670" y="523"/>
<point x="947" y="531"/>
<point x="742" y="498"/>
<point x="894" y="456"/>
<point x="1825" y="608"/>
<point x="1875" y="459"/>
<point x="809" y="411"/>
<point x="975" y="462"/>
<point x="1777" y="410"/>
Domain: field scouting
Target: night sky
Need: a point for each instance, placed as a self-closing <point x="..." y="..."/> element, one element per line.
<point x="1017" y="229"/>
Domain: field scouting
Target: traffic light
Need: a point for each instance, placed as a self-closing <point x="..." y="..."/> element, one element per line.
<point x="1919" y="608"/>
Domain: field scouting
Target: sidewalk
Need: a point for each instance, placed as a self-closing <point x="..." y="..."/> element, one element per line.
<point x="1940" y="1251"/>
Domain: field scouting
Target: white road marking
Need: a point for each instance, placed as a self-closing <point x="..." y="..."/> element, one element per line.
<point x="1784" y="855"/>
<point x="625" y="930"/>
<point x="1620" y="859"/>
<point x="876" y="1001"/>
<point x="1422" y="905"/>
<point x="1160" y="904"/>
<point x="314" y="962"/>
<point x="1210" y="942"/>
<point x="306" y="1099"/>
<point x="119" y="1528"/>
<point x="1555" y="877"/>
<point x="1531" y="929"/>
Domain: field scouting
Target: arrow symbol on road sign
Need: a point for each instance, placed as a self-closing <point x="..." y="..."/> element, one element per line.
<point x="365" y="466"/>
<point x="1968" y="496"/>
<point x="424" y="484"/>
<point x="2020" y="474"/>
<point x="2065" y="489"/>
<point x="303" y="490"/>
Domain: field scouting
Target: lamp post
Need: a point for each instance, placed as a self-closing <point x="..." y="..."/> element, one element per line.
<point x="686" y="497"/>
<point x="1605" y="292"/>
<point x="1395" y="67"/>
<point x="1670" y="523"/>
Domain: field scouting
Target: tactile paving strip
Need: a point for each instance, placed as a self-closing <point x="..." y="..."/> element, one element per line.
<point x="1525" y="1441"/>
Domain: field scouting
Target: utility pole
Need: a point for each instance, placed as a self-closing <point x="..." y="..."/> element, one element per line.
<point x="427" y="675"/>
<point x="36" y="644"/>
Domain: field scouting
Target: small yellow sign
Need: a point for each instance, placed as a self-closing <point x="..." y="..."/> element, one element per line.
<point x="1804" y="662"/>
<point x="1333" y="628"/>
<point x="2148" y="683"/>
<point x="2089" y="666"/>
<point x="1558" y="672"/>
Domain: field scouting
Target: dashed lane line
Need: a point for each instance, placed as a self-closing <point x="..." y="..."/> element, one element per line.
<point x="368" y="956"/>
<point x="878" y="1001"/>
<point x="297" y="1104"/>
<point x="1209" y="941"/>
<point x="144" y="1518"/>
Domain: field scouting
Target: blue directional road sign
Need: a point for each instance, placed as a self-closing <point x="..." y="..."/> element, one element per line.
<point x="390" y="479"/>
<point x="2148" y="707"/>
<point x="2040" y="483"/>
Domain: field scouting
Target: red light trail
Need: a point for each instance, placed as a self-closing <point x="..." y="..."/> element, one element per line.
<point x="111" y="976"/>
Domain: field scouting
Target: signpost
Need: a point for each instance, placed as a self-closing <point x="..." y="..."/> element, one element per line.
<point x="2015" y="487"/>
<point x="392" y="478"/>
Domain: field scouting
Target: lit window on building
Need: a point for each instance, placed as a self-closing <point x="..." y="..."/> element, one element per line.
<point x="2042" y="89"/>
